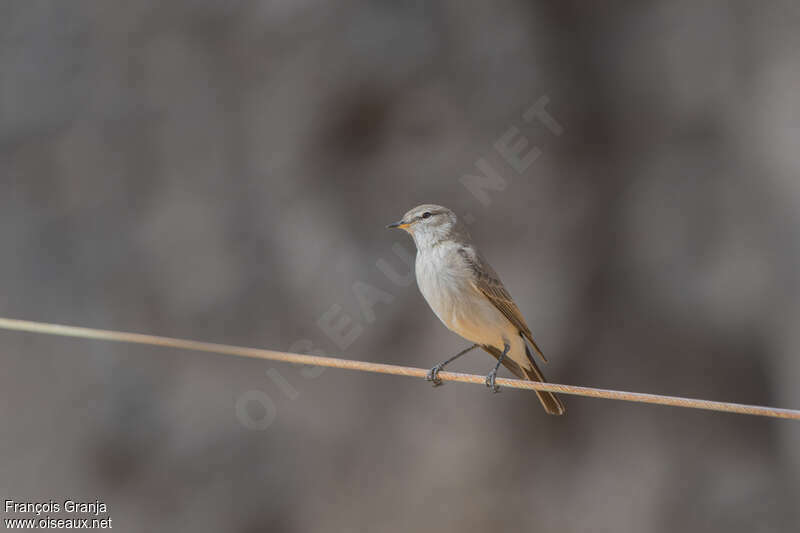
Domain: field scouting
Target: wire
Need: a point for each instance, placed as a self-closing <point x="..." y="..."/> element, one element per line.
<point x="364" y="366"/>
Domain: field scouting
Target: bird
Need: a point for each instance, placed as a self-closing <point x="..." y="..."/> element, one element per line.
<point x="466" y="294"/>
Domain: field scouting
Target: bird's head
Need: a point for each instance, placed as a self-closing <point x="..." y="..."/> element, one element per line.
<point x="429" y="224"/>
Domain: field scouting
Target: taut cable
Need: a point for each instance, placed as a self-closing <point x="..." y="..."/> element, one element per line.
<point x="333" y="362"/>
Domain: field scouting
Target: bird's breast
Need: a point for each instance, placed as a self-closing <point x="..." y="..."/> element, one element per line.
<point x="445" y="282"/>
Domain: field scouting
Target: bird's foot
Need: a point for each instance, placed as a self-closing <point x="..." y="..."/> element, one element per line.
<point x="433" y="375"/>
<point x="490" y="381"/>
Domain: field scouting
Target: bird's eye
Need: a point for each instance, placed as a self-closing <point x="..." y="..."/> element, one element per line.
<point x="426" y="215"/>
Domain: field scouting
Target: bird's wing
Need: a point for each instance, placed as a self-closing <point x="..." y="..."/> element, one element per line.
<point x="487" y="282"/>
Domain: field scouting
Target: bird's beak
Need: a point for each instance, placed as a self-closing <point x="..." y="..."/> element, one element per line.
<point x="401" y="225"/>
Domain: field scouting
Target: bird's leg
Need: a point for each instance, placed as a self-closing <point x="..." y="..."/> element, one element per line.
<point x="433" y="373"/>
<point x="490" y="379"/>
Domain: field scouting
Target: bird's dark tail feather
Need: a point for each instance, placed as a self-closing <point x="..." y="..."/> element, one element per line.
<point x="550" y="401"/>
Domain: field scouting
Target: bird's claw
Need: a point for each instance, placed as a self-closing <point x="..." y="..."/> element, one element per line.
<point x="490" y="381"/>
<point x="433" y="375"/>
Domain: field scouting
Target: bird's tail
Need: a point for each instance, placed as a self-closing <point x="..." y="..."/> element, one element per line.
<point x="550" y="401"/>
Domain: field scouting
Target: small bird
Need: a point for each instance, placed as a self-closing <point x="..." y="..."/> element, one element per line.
<point x="468" y="297"/>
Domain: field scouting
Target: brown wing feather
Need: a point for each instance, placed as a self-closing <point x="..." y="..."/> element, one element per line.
<point x="488" y="282"/>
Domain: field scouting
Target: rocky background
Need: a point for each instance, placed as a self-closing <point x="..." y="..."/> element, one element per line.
<point x="223" y="171"/>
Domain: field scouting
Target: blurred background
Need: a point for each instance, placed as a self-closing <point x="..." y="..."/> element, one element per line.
<point x="223" y="171"/>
